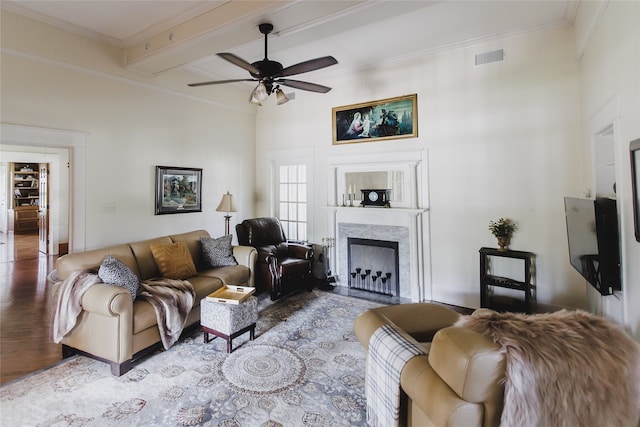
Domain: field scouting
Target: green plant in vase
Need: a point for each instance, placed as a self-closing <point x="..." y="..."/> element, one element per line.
<point x="502" y="229"/>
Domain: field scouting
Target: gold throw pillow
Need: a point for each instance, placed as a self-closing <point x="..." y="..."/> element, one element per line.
<point x="174" y="260"/>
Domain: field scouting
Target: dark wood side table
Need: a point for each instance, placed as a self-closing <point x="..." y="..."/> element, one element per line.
<point x="488" y="280"/>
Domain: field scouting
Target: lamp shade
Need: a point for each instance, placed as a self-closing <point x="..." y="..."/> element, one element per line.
<point x="226" y="204"/>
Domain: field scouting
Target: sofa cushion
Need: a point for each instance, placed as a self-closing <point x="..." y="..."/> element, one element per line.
<point x="217" y="252"/>
<point x="114" y="272"/>
<point x="173" y="260"/>
<point x="91" y="260"/>
<point x="144" y="316"/>
<point x="232" y="275"/>
<point x="204" y="285"/>
<point x="192" y="240"/>
<point x="147" y="266"/>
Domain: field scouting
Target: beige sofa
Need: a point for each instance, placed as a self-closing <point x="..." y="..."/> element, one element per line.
<point x="458" y="383"/>
<point x="115" y="329"/>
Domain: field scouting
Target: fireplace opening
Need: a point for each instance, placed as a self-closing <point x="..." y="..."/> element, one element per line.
<point x="373" y="266"/>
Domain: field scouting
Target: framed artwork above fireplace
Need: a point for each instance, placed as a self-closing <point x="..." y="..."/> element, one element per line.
<point x="380" y="120"/>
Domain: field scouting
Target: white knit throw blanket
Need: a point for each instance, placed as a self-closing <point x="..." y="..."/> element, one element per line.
<point x="68" y="301"/>
<point x="389" y="350"/>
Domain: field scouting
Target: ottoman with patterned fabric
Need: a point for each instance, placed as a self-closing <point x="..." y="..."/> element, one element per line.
<point x="227" y="320"/>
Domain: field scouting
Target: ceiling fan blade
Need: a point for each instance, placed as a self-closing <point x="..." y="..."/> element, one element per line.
<point x="217" y="82"/>
<point x="236" y="60"/>
<point x="312" y="87"/>
<point x="310" y="65"/>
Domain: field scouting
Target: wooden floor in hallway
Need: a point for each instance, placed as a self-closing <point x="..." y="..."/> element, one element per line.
<point x="25" y="345"/>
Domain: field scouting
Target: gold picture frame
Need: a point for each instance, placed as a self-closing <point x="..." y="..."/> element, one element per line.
<point x="381" y="120"/>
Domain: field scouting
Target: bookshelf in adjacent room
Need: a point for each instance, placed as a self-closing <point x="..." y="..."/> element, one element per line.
<point x="25" y="186"/>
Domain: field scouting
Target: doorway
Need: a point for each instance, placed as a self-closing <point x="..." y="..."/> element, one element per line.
<point x="26" y="205"/>
<point x="65" y="151"/>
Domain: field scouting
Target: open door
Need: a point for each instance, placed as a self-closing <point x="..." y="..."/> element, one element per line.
<point x="43" y="210"/>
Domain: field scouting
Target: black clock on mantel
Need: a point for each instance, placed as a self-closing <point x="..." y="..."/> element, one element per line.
<point x="378" y="198"/>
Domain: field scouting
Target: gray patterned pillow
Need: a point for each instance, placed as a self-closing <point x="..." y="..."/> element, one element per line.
<point x="217" y="252"/>
<point x="114" y="272"/>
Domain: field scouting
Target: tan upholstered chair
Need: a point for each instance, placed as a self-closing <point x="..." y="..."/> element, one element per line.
<point x="459" y="383"/>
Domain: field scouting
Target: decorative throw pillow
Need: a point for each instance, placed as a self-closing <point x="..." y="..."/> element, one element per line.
<point x="114" y="272"/>
<point x="217" y="252"/>
<point x="174" y="260"/>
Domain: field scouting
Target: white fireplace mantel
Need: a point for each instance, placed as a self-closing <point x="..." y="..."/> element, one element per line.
<point x="375" y="221"/>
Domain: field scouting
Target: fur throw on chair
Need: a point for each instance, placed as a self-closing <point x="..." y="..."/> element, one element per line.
<point x="564" y="369"/>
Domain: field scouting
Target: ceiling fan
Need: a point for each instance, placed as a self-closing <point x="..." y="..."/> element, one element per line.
<point x="270" y="74"/>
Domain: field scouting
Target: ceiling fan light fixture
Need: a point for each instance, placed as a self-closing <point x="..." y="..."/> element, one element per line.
<point x="269" y="73"/>
<point x="281" y="97"/>
<point x="253" y="99"/>
<point x="260" y="92"/>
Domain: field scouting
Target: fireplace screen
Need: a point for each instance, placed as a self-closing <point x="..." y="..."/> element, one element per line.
<point x="373" y="266"/>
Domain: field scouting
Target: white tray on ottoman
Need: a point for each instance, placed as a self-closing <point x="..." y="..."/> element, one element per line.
<point x="228" y="320"/>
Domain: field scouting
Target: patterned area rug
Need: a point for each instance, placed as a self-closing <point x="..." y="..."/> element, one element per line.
<point x="305" y="368"/>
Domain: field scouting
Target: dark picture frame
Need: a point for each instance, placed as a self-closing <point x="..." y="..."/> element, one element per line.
<point x="381" y="120"/>
<point x="178" y="190"/>
<point x="634" y="151"/>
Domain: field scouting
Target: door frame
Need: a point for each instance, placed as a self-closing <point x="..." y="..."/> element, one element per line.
<point x="75" y="143"/>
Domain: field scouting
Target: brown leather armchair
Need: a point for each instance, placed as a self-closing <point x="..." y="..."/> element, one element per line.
<point x="282" y="266"/>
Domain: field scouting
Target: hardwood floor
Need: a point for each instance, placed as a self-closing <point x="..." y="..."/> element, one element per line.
<point x="25" y="345"/>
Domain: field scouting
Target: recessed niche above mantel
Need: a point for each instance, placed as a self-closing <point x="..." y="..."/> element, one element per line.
<point x="392" y="180"/>
<point x="401" y="173"/>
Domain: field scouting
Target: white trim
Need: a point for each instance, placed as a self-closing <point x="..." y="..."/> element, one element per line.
<point x="608" y="115"/>
<point x="250" y="108"/>
<point x="76" y="142"/>
<point x="593" y="24"/>
<point x="290" y="157"/>
<point x="604" y="115"/>
<point x="164" y="25"/>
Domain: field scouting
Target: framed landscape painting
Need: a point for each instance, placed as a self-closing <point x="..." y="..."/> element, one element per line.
<point x="178" y="190"/>
<point x="385" y="119"/>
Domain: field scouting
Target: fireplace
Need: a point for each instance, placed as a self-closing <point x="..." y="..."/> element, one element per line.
<point x="397" y="235"/>
<point x="373" y="266"/>
<point x="405" y="223"/>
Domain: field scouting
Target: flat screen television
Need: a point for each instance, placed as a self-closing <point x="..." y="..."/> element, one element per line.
<point x="593" y="235"/>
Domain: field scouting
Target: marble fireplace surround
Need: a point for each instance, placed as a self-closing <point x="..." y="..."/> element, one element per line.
<point x="405" y="222"/>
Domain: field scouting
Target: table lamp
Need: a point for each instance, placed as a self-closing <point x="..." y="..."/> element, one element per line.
<point x="226" y="205"/>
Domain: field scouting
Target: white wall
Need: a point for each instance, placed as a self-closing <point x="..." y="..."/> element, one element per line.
<point x="132" y="125"/>
<point x="610" y="92"/>
<point x="501" y="139"/>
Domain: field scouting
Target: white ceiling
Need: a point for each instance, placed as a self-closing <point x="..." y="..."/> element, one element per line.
<point x="160" y="36"/>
